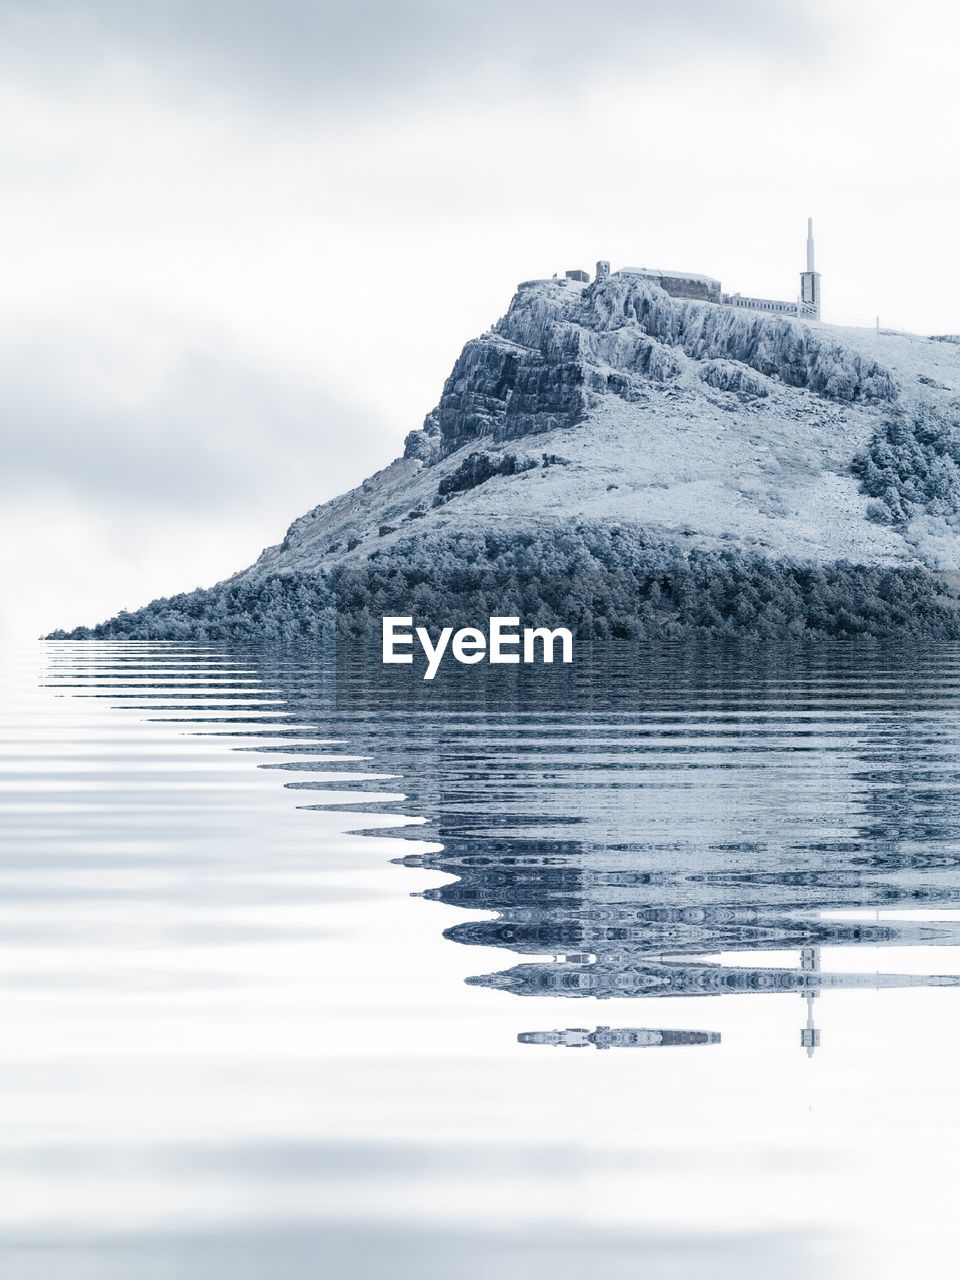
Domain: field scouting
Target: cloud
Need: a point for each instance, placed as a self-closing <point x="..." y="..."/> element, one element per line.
<point x="164" y="413"/>
<point x="147" y="452"/>
<point x="366" y="51"/>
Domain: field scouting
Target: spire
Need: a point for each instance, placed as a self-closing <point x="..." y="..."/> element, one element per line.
<point x="810" y="281"/>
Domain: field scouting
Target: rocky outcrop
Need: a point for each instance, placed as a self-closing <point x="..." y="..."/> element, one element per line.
<point x="501" y="390"/>
<point x="424" y="444"/>
<point x="730" y="375"/>
<point x="479" y="467"/>
<point x="797" y="354"/>
<point x="560" y="346"/>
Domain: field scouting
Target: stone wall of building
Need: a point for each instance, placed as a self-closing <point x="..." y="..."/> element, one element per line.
<point x="691" y="287"/>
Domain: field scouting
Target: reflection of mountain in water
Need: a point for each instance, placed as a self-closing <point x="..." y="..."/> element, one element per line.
<point x="633" y="823"/>
<point x="625" y="822"/>
<point x="618" y="976"/>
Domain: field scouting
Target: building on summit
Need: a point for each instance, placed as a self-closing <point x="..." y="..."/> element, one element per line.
<point x="689" y="284"/>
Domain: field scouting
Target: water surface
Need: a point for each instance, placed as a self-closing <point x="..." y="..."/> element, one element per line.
<point x="643" y="966"/>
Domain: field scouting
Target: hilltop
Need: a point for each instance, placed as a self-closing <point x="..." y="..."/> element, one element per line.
<point x="638" y="463"/>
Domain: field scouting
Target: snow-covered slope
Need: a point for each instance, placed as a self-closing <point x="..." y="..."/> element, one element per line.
<point x="637" y="464"/>
<point x="706" y="425"/>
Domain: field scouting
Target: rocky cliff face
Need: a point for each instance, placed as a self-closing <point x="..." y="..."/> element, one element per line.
<point x="561" y="346"/>
<point x="500" y="389"/>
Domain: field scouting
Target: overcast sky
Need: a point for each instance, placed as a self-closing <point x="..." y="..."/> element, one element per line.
<point x="244" y="240"/>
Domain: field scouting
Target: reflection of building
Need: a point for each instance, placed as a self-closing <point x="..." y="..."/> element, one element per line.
<point x="617" y="1037"/>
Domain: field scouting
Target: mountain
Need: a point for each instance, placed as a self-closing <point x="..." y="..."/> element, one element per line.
<point x="631" y="462"/>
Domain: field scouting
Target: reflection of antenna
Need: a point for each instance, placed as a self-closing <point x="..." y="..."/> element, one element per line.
<point x="809" y="1035"/>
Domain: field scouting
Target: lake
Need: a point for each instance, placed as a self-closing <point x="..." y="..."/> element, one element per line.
<point x="642" y="966"/>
